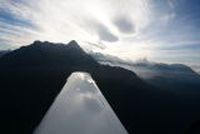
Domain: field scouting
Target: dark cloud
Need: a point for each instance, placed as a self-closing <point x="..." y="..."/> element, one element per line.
<point x="124" y="24"/>
<point x="105" y="34"/>
<point x="102" y="31"/>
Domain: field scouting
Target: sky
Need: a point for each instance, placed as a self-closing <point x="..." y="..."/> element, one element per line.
<point x="160" y="30"/>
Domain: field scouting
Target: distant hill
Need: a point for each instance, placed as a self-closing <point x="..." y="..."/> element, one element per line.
<point x="32" y="76"/>
<point x="177" y="78"/>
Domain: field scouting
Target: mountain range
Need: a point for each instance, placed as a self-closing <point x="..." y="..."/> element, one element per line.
<point x="32" y="76"/>
<point x="177" y="78"/>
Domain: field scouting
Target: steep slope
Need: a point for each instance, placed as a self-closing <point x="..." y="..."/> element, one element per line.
<point x="177" y="78"/>
<point x="30" y="79"/>
<point x="80" y="108"/>
<point x="32" y="76"/>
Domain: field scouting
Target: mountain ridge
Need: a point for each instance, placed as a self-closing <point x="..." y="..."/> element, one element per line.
<point x="32" y="76"/>
<point x="177" y="78"/>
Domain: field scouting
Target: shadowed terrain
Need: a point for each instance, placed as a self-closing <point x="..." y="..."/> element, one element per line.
<point x="32" y="76"/>
<point x="176" y="78"/>
<point x="4" y="52"/>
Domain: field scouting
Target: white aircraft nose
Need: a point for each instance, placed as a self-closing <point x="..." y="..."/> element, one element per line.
<point x="80" y="108"/>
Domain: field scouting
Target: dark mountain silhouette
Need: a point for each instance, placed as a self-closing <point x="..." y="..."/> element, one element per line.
<point x="4" y="52"/>
<point x="176" y="78"/>
<point x="32" y="76"/>
<point x="194" y="128"/>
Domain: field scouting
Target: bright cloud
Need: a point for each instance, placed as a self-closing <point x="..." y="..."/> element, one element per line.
<point x="158" y="30"/>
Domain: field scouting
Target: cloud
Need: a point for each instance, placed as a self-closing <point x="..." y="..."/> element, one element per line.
<point x="124" y="24"/>
<point x="131" y="28"/>
<point x="63" y="20"/>
<point x="105" y="34"/>
<point x="167" y="17"/>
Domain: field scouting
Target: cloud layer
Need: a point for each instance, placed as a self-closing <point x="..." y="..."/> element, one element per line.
<point x="166" y="31"/>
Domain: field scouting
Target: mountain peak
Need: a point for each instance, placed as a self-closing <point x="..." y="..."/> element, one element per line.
<point x="74" y="44"/>
<point x="71" y="45"/>
<point x="37" y="42"/>
<point x="51" y="53"/>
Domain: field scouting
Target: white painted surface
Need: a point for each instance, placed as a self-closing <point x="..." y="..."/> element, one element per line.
<point x="80" y="108"/>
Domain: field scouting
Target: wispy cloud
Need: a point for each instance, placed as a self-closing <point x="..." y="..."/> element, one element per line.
<point x="131" y="29"/>
<point x="59" y="20"/>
